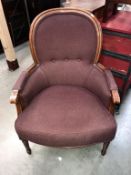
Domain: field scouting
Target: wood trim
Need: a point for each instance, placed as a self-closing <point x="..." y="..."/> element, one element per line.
<point x="101" y="66"/>
<point x="31" y="68"/>
<point x="114" y="93"/>
<point x="15" y="96"/>
<point x="115" y="97"/>
<point x="49" y="12"/>
<point x="14" y="99"/>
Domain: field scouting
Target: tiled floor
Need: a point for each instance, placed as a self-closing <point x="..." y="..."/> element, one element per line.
<point x="51" y="161"/>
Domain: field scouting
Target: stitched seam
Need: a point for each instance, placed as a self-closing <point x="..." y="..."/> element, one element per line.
<point x="103" y="108"/>
<point x="108" y="80"/>
<point x="88" y="77"/>
<point x="94" y="66"/>
<point x="62" y="133"/>
<point x="44" y="75"/>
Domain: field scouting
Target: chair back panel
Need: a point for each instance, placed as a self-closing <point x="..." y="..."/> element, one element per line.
<point x="65" y="34"/>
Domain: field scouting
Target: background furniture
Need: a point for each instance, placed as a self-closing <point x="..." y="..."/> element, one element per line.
<point x="20" y="13"/>
<point x="64" y="99"/>
<point x="116" y="53"/>
<point x="111" y="8"/>
<point x="37" y="6"/>
<point x="7" y="42"/>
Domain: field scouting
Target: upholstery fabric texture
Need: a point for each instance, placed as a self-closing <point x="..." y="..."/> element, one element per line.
<point x="66" y="116"/>
<point x="65" y="99"/>
<point x="67" y="72"/>
<point x="111" y="82"/>
<point x="74" y="37"/>
<point x="21" y="81"/>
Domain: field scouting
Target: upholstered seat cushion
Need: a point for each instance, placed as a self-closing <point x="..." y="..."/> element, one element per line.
<point x="66" y="116"/>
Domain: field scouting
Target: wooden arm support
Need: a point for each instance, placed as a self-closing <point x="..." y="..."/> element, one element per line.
<point x="114" y="93"/>
<point x="115" y="97"/>
<point x="14" y="97"/>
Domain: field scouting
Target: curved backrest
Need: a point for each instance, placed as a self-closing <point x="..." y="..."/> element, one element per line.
<point x="65" y="33"/>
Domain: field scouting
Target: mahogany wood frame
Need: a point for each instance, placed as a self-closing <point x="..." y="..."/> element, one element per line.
<point x="15" y="96"/>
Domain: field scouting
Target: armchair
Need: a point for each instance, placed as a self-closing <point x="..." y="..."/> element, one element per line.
<point x="66" y="99"/>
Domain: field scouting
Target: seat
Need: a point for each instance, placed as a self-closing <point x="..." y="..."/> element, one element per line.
<point x="66" y="99"/>
<point x="66" y="118"/>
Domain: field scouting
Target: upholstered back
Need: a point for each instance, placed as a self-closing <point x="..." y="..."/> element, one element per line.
<point x="65" y="34"/>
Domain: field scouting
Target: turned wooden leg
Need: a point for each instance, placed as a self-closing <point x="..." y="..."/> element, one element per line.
<point x="27" y="147"/>
<point x="104" y="149"/>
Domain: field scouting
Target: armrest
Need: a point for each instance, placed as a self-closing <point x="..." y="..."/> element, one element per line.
<point x="111" y="84"/>
<point x="115" y="97"/>
<point x="21" y="81"/>
<point x="17" y="87"/>
<point x="29" y="84"/>
<point x="101" y="82"/>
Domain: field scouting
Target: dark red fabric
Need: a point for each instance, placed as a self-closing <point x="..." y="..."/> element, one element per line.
<point x="110" y="80"/>
<point x="32" y="86"/>
<point x="21" y="81"/>
<point x="66" y="72"/>
<point x="65" y="36"/>
<point x="97" y="83"/>
<point x="66" y="97"/>
<point x="66" y="116"/>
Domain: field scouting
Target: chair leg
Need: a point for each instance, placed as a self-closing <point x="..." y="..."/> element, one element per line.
<point x="27" y="147"/>
<point x="104" y="149"/>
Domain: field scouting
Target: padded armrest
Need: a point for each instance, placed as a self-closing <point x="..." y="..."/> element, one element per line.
<point x="113" y="87"/>
<point x="17" y="87"/>
<point x="29" y="85"/>
<point x="21" y="81"/>
<point x="111" y="84"/>
<point x="102" y="83"/>
<point x="110" y="80"/>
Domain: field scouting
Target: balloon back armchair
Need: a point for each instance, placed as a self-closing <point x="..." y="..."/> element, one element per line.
<point x="66" y="99"/>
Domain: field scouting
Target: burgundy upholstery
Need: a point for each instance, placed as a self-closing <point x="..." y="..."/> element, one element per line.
<point x="69" y="39"/>
<point x="77" y="73"/>
<point x="111" y="82"/>
<point x="66" y="116"/>
<point x="66" y="98"/>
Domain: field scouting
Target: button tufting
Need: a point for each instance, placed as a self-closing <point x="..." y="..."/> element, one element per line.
<point x="66" y="59"/>
<point x="78" y="59"/>
<point x="52" y="60"/>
